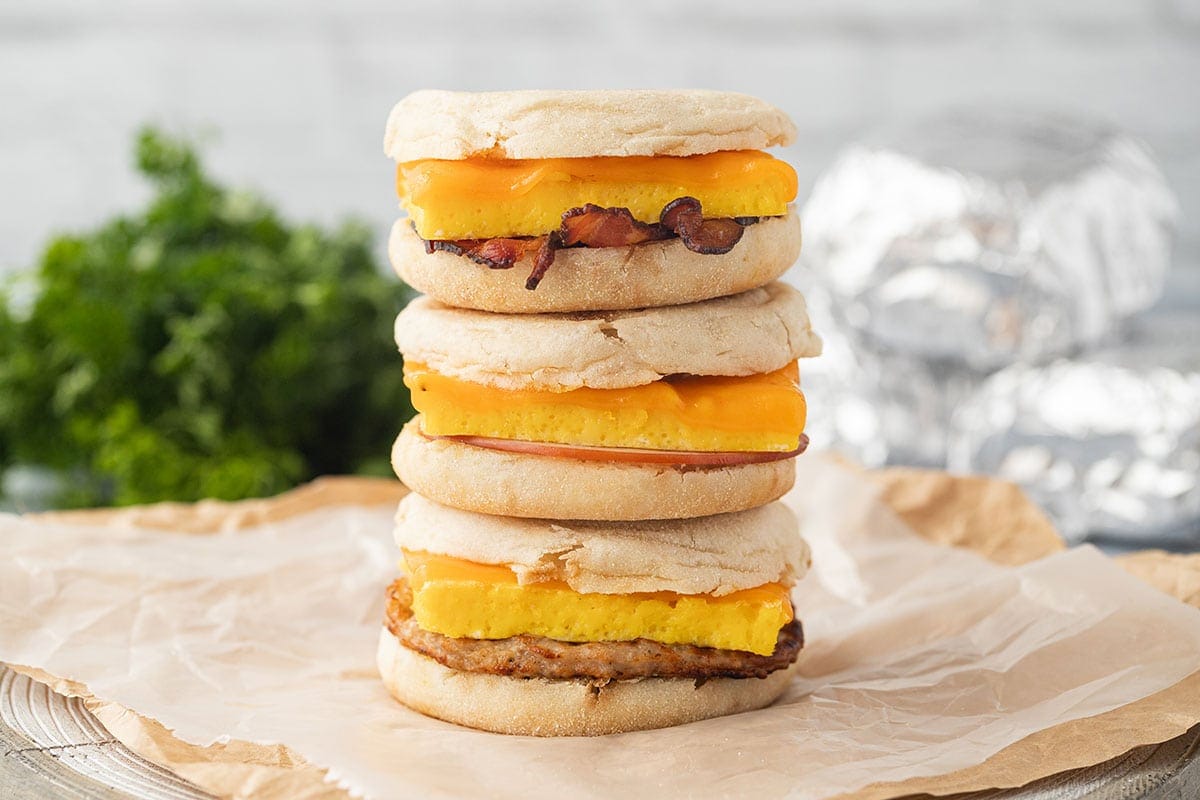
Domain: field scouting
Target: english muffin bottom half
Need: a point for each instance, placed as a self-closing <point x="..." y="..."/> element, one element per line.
<point x="668" y="412"/>
<point x="547" y="628"/>
<point x="526" y="202"/>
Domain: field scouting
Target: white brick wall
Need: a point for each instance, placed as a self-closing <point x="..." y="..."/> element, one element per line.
<point x="295" y="93"/>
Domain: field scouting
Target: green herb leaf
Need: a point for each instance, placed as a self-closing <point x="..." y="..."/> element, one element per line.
<point x="202" y="348"/>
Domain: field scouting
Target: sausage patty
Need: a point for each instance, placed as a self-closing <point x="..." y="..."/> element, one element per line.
<point x="526" y="656"/>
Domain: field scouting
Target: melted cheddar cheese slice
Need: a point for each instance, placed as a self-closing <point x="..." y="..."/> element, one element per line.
<point x="482" y="198"/>
<point x="464" y="599"/>
<point x="695" y="413"/>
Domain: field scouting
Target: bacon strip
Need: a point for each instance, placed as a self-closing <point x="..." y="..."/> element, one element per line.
<point x="545" y="257"/>
<point x="595" y="226"/>
<point x="492" y="253"/>
<point x="709" y="237"/>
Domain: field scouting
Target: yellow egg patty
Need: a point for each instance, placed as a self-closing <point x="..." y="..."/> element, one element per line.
<point x="694" y="413"/>
<point x="482" y="198"/>
<point x="464" y="599"/>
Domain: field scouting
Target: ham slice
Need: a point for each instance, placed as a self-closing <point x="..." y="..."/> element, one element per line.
<point x="628" y="454"/>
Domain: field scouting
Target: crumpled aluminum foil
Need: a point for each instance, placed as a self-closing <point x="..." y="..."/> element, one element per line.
<point x="875" y="404"/>
<point x="1108" y="444"/>
<point x="990" y="238"/>
<point x="984" y="242"/>
<point x="877" y="407"/>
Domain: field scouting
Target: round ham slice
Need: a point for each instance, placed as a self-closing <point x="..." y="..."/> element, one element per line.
<point x="629" y="455"/>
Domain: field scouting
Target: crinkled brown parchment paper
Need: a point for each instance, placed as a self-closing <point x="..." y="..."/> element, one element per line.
<point x="988" y="517"/>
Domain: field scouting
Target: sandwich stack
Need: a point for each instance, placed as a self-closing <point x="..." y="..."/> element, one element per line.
<point x="605" y="370"/>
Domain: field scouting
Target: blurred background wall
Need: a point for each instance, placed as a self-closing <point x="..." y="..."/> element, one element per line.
<point x="293" y="95"/>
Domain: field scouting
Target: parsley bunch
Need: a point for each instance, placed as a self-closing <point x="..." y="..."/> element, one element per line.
<point x="203" y="347"/>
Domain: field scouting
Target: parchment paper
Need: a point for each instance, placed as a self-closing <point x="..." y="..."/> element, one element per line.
<point x="923" y="660"/>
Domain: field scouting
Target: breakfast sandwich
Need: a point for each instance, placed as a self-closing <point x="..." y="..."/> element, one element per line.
<point x="658" y="413"/>
<point x="537" y="201"/>
<point x="528" y="626"/>
<point x="605" y="371"/>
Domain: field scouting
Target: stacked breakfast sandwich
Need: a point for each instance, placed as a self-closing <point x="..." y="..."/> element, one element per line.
<point x="605" y="371"/>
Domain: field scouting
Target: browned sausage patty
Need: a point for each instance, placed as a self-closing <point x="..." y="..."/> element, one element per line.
<point x="526" y="656"/>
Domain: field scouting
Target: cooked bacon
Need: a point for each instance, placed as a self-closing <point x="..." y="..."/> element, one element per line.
<point x="709" y="237"/>
<point x="492" y="253"/>
<point x="592" y="226"/>
<point x="595" y="226"/>
<point x="545" y="257"/>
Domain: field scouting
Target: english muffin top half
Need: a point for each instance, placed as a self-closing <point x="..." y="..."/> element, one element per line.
<point x="525" y="202"/>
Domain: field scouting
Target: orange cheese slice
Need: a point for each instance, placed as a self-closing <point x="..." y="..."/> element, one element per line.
<point x="464" y="599"/>
<point x="482" y="198"/>
<point x="696" y="413"/>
